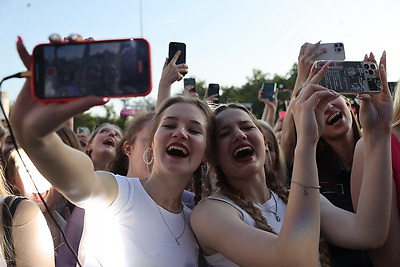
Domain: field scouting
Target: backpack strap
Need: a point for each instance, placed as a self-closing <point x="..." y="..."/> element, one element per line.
<point x="10" y="205"/>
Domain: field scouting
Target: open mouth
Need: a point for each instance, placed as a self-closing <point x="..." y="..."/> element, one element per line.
<point x="109" y="142"/>
<point x="333" y="118"/>
<point x="243" y="153"/>
<point x="177" y="151"/>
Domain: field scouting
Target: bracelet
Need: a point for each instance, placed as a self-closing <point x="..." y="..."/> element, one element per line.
<point x="306" y="187"/>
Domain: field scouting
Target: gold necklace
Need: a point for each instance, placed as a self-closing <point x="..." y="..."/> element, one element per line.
<point x="169" y="229"/>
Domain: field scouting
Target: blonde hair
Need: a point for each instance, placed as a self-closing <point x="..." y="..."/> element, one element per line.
<point x="396" y="106"/>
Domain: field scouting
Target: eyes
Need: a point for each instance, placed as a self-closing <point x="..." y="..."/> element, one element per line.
<point x="226" y="131"/>
<point x="106" y="131"/>
<point x="193" y="129"/>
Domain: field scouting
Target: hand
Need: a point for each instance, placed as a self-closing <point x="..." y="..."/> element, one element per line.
<point x="211" y="98"/>
<point x="172" y="72"/>
<point x="32" y="119"/>
<point x="270" y="103"/>
<point x="308" y="108"/>
<point x="376" y="109"/>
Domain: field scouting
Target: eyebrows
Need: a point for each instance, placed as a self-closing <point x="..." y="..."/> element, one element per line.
<point x="223" y="125"/>
<point x="175" y="118"/>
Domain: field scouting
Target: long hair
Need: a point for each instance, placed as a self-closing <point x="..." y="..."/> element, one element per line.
<point x="198" y="174"/>
<point x="396" y="106"/>
<point x="273" y="181"/>
<point x="120" y="164"/>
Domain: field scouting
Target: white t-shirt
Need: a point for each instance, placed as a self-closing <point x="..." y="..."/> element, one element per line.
<point x="131" y="232"/>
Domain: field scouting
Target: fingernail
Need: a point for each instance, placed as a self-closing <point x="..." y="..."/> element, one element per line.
<point x="20" y="39"/>
<point x="103" y="101"/>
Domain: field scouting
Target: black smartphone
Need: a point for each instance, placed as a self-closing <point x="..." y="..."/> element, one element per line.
<point x="110" y="68"/>
<point x="173" y="48"/>
<point x="333" y="51"/>
<point x="213" y="89"/>
<point x="190" y="83"/>
<point x="268" y="90"/>
<point x="351" y="77"/>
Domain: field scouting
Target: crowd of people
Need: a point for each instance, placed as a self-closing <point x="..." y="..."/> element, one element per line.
<point x="201" y="184"/>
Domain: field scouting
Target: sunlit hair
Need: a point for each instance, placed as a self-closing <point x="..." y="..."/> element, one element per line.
<point x="120" y="164"/>
<point x="198" y="175"/>
<point x="396" y="106"/>
<point x="69" y="137"/>
<point x="96" y="131"/>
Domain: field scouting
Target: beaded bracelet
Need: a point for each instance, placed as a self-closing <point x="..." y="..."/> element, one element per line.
<point x="306" y="187"/>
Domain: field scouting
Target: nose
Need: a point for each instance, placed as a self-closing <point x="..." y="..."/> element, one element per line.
<point x="113" y="134"/>
<point x="240" y="135"/>
<point x="180" y="132"/>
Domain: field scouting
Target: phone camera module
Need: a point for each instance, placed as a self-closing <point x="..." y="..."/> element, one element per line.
<point x="366" y="66"/>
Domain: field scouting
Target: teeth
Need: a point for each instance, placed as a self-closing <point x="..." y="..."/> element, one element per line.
<point x="241" y="149"/>
<point x="184" y="151"/>
<point x="332" y="116"/>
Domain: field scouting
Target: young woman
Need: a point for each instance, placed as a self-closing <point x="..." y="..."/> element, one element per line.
<point x="230" y="224"/>
<point x="128" y="222"/>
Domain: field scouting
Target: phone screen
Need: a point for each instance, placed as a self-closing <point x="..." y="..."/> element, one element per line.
<point x="268" y="90"/>
<point x="173" y="48"/>
<point x="111" y="68"/>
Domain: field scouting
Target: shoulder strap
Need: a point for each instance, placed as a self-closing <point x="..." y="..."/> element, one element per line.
<point x="10" y="205"/>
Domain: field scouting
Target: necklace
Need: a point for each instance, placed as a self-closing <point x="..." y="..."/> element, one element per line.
<point x="169" y="229"/>
<point x="277" y="217"/>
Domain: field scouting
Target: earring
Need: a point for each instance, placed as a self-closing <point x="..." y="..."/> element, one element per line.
<point x="147" y="162"/>
<point x="205" y="169"/>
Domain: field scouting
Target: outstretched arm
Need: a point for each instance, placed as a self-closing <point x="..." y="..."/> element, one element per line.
<point x="70" y="171"/>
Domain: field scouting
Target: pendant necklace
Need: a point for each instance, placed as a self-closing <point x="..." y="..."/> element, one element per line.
<point x="169" y="229"/>
<point x="277" y="217"/>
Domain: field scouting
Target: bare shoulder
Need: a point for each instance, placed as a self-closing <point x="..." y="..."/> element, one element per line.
<point x="26" y="212"/>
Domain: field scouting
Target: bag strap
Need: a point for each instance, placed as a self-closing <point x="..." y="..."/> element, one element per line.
<point x="10" y="205"/>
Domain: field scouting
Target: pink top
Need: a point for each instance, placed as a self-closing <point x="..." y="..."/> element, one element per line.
<point x="396" y="166"/>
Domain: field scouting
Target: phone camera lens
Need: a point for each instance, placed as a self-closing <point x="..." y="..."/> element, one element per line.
<point x="372" y="66"/>
<point x="371" y="72"/>
<point x="366" y="66"/>
<point x="336" y="45"/>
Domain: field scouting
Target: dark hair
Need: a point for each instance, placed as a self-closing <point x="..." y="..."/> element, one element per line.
<point x="120" y="164"/>
<point x="198" y="175"/>
<point x="69" y="138"/>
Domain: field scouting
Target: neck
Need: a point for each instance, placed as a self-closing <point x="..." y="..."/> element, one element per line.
<point x="255" y="189"/>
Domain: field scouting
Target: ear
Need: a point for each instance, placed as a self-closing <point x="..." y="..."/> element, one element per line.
<point x="127" y="147"/>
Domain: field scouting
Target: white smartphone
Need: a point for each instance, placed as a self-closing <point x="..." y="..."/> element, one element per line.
<point x="333" y="51"/>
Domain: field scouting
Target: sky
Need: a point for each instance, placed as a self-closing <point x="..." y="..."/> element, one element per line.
<point x="225" y="40"/>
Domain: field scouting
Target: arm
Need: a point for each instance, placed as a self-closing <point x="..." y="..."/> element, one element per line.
<point x="219" y="227"/>
<point x="372" y="171"/>
<point x="170" y="73"/>
<point x="70" y="171"/>
<point x="33" y="243"/>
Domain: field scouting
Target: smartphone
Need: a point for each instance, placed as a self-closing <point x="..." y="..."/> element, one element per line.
<point x="110" y="68"/>
<point x="190" y="83"/>
<point x="213" y="89"/>
<point x="333" y="51"/>
<point x="83" y="131"/>
<point x="351" y="77"/>
<point x="268" y="90"/>
<point x="173" y="48"/>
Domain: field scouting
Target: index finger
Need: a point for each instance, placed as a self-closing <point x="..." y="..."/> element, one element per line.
<point x="175" y="58"/>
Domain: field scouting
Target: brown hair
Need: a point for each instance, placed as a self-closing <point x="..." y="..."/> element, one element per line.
<point x="120" y="164"/>
<point x="96" y="131"/>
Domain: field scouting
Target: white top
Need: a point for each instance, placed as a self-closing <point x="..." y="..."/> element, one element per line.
<point x="278" y="207"/>
<point x="131" y="232"/>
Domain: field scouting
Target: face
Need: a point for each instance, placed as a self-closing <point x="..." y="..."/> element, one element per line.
<point x="136" y="150"/>
<point x="8" y="144"/>
<point x="240" y="144"/>
<point x="105" y="140"/>
<point x="338" y="119"/>
<point x="179" y="143"/>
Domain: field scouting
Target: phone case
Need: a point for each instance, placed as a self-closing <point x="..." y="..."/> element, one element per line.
<point x="190" y="82"/>
<point x="109" y="68"/>
<point x="268" y="90"/>
<point x="333" y="51"/>
<point x="351" y="77"/>
<point x="173" y="48"/>
<point x="213" y="89"/>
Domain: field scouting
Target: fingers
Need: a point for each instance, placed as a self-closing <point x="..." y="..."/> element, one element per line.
<point x="23" y="53"/>
<point x="175" y="58"/>
<point x="317" y="78"/>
